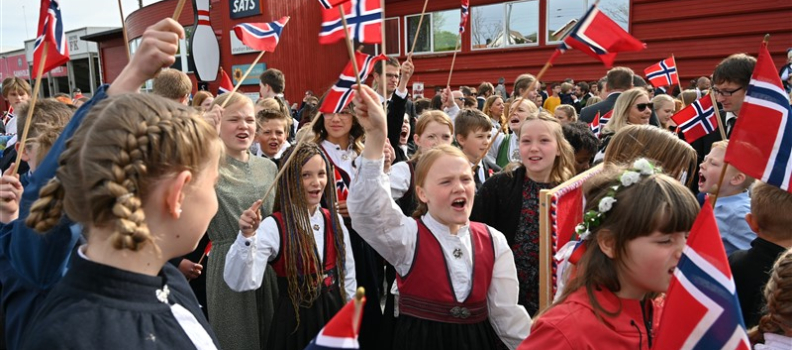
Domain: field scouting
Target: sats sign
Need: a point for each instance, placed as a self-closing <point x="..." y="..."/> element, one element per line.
<point x="244" y="8"/>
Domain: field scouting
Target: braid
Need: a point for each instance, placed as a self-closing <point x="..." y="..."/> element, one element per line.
<point x="778" y="293"/>
<point x="48" y="209"/>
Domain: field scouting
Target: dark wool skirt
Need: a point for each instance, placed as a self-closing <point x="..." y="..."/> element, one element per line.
<point x="415" y="333"/>
<point x="285" y="333"/>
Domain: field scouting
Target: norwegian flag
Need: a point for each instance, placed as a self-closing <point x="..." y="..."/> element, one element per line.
<point x="603" y="120"/>
<point x="342" y="191"/>
<point x="761" y="141"/>
<point x="261" y="36"/>
<point x="328" y="4"/>
<point x="208" y="249"/>
<point x="465" y="16"/>
<point x="342" y="93"/>
<point x="663" y="73"/>
<point x="364" y="21"/>
<point x="340" y="332"/>
<point x="595" y="125"/>
<point x="697" y="120"/>
<point x="701" y="308"/>
<point x="598" y="36"/>
<point x="225" y="83"/>
<point x="50" y="30"/>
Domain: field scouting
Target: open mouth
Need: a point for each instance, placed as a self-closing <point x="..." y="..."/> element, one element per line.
<point x="535" y="158"/>
<point x="459" y="203"/>
<point x="242" y="136"/>
<point x="315" y="193"/>
<point x="403" y="134"/>
<point x="702" y="179"/>
<point x="273" y="145"/>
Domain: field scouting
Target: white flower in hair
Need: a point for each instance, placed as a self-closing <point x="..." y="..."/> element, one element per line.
<point x="629" y="178"/>
<point x="606" y="203"/>
<point x="583" y="236"/>
<point x="644" y="166"/>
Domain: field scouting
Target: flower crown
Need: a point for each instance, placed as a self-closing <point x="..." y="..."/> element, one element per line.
<point x="593" y="218"/>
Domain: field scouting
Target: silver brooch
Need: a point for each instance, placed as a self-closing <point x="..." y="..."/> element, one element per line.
<point x="345" y="156"/>
<point x="515" y="154"/>
<point x="458" y="253"/>
<point x="162" y="294"/>
<point x="316" y="227"/>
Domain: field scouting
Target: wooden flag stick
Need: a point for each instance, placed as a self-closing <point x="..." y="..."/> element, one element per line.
<point x="349" y="46"/>
<point x="31" y="107"/>
<point x="384" y="76"/>
<point x="178" y="11"/>
<point x="124" y="30"/>
<point x="718" y="186"/>
<point x="359" y="294"/>
<point x="244" y="76"/>
<point x="453" y="60"/>
<point x="417" y="30"/>
<point x="721" y="125"/>
<point x="535" y="82"/>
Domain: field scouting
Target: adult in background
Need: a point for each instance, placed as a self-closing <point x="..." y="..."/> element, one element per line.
<point x="619" y="79"/>
<point x="485" y="90"/>
<point x="395" y="81"/>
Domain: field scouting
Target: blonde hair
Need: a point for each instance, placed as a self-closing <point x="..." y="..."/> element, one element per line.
<point x="564" y="164"/>
<point x="15" y="84"/>
<point x="233" y="98"/>
<point x="621" y="109"/>
<point x="778" y="293"/>
<point x="488" y="105"/>
<point x="431" y="116"/>
<point x="533" y="110"/>
<point x="268" y="103"/>
<point x="592" y="100"/>
<point x="635" y="141"/>
<point x="424" y="164"/>
<point x="771" y="206"/>
<point x="724" y="144"/>
<point x="658" y="102"/>
<point x="123" y="147"/>
<point x="199" y="98"/>
<point x="569" y="111"/>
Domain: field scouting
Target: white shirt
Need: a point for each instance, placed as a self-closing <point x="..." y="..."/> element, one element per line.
<point x="514" y="148"/>
<point x="729" y="116"/>
<point x="248" y="257"/>
<point x="380" y="222"/>
<point x="400" y="180"/>
<point x="342" y="159"/>
<point x="452" y="111"/>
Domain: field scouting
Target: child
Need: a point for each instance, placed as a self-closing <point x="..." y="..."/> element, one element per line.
<point x="583" y="141"/>
<point x="49" y="116"/>
<point x="774" y="331"/>
<point x="733" y="201"/>
<point x="629" y="255"/>
<point x="457" y="259"/>
<point x="473" y="133"/>
<point x="17" y="92"/>
<point x="509" y="201"/>
<point x="296" y="239"/>
<point x="770" y="219"/>
<point x="433" y="128"/>
<point x="505" y="149"/>
<point x="241" y="320"/>
<point x="143" y="195"/>
<point x="551" y="102"/>
<point x="271" y="134"/>
<point x="565" y="114"/>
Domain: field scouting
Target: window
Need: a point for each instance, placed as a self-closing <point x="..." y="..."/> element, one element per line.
<point x="562" y="15"/>
<point x="439" y="31"/>
<point x="392" y="38"/>
<point x="520" y="19"/>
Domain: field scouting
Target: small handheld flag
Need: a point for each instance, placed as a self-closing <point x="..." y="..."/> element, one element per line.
<point x="342" y="93"/>
<point x="696" y="120"/>
<point x="328" y="4"/>
<point x="50" y="31"/>
<point x="364" y="20"/>
<point x="465" y="15"/>
<point x="225" y="83"/>
<point x="342" y="330"/>
<point x="663" y="73"/>
<point x="595" y="125"/>
<point x="261" y="36"/>
<point x="701" y="308"/>
<point x="761" y="141"/>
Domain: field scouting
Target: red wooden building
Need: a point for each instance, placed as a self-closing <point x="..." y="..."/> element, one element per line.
<point x="699" y="33"/>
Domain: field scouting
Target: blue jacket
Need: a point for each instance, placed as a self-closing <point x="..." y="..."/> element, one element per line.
<point x="32" y="263"/>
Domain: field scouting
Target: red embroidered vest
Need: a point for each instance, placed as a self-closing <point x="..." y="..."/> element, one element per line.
<point x="426" y="290"/>
<point x="329" y="269"/>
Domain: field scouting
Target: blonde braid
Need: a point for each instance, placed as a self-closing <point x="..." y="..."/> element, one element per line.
<point x="778" y="293"/>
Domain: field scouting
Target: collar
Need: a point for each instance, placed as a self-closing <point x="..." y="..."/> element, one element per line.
<point x="742" y="196"/>
<point x="730" y="116"/>
<point x="615" y="92"/>
<point x="332" y="146"/>
<point x="441" y="230"/>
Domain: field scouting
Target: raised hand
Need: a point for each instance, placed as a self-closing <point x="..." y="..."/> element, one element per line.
<point x="250" y="219"/>
<point x="10" y="194"/>
<point x="372" y="118"/>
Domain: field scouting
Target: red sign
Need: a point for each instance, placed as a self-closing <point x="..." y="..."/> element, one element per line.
<point x="14" y="66"/>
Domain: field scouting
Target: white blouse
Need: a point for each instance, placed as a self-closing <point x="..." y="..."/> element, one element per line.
<point x="343" y="159"/>
<point x="400" y="180"/>
<point x="514" y="148"/>
<point x="248" y="257"/>
<point x="377" y="218"/>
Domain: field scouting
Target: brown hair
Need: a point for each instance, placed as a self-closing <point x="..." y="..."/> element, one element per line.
<point x="502" y="120"/>
<point x="48" y="112"/>
<point x="620" y="78"/>
<point x="471" y="120"/>
<point x="431" y="116"/>
<point x="172" y="84"/>
<point x="771" y="206"/>
<point x="356" y="132"/>
<point x="688" y="96"/>
<point x="676" y="157"/>
<point x="199" y="97"/>
<point x="778" y="293"/>
<point x="569" y="111"/>
<point x="564" y="164"/>
<point x="484" y="88"/>
<point x="275" y="79"/>
<point x="655" y="203"/>
<point x="621" y="109"/>
<point x="123" y="147"/>
<point x="523" y="82"/>
<point x="736" y="68"/>
<point x="15" y="84"/>
<point x="266" y="115"/>
<point x="424" y="164"/>
<point x="592" y="100"/>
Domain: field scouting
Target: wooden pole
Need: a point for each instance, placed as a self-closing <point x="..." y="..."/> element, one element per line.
<point x="718" y="186"/>
<point x="350" y="49"/>
<point x="721" y="125"/>
<point x="31" y="107"/>
<point x="359" y="294"/>
<point x="538" y="76"/>
<point x="418" y="30"/>
<point x="384" y="76"/>
<point x="178" y="11"/>
<point x="124" y="30"/>
<point x="244" y="76"/>
<point x="453" y="60"/>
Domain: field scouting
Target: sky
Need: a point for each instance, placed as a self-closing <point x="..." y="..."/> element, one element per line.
<point x="19" y="18"/>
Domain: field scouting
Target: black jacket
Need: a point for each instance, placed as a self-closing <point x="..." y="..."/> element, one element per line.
<point x="396" y="109"/>
<point x="751" y="270"/>
<point x="499" y="201"/>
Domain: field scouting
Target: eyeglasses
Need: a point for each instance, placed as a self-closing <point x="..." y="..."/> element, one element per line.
<point x="726" y="93"/>
<point x="461" y="99"/>
<point x="642" y="106"/>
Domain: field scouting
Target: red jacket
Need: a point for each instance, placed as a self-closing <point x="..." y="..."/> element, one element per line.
<point x="573" y="325"/>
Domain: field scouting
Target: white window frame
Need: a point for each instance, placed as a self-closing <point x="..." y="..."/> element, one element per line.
<point x="430" y="17"/>
<point x="505" y="20"/>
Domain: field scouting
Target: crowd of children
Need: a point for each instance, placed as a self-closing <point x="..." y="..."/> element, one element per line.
<point x="99" y="231"/>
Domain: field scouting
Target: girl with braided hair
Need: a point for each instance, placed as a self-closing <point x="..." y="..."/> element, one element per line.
<point x="139" y="176"/>
<point x="774" y="331"/>
<point x="307" y="246"/>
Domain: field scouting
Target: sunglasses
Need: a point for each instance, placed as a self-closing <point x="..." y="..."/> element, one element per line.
<point x="642" y="106"/>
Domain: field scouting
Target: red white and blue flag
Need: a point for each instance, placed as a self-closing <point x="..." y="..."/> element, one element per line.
<point x="328" y="4"/>
<point x="50" y="31"/>
<point x="364" y="21"/>
<point x="761" y="141"/>
<point x="663" y="73"/>
<point x="598" y="36"/>
<point x="225" y="83"/>
<point x="341" y="332"/>
<point x="261" y="36"/>
<point x="342" y="93"/>
<point x="697" y="120"/>
<point x="701" y="308"/>
<point x="595" y="125"/>
<point x="465" y="15"/>
<point x="342" y="191"/>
